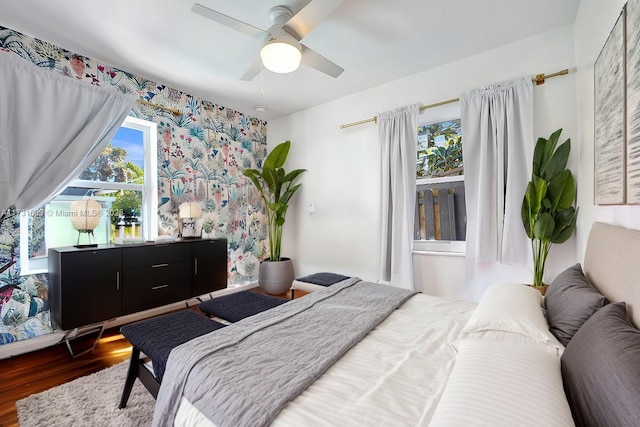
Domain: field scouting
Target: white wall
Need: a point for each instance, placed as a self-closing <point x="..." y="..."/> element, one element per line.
<point x="343" y="180"/>
<point x="593" y="23"/>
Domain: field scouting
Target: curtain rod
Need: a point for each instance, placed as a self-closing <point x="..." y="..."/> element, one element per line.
<point x="162" y="107"/>
<point x="539" y="79"/>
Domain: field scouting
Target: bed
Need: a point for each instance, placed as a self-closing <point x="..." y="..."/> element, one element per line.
<point x="375" y="355"/>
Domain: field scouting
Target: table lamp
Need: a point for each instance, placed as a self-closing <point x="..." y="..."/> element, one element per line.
<point x="85" y="217"/>
<point x="189" y="212"/>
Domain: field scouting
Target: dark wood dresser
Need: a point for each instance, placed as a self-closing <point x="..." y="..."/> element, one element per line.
<point x="91" y="285"/>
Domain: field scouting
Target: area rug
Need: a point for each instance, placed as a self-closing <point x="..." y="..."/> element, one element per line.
<point x="88" y="401"/>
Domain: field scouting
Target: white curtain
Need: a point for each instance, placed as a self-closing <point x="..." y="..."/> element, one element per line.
<point x="497" y="124"/>
<point x="398" y="134"/>
<point x="51" y="128"/>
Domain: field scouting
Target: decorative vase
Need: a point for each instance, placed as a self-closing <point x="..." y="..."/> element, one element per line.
<point x="129" y="227"/>
<point x="276" y="277"/>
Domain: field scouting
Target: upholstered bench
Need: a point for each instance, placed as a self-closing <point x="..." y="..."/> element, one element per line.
<point x="156" y="337"/>
<point x="315" y="282"/>
<point x="238" y="305"/>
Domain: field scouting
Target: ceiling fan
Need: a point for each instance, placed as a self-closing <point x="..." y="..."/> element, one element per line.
<point x="281" y="49"/>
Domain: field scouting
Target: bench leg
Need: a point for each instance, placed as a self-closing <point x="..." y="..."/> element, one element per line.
<point x="132" y="374"/>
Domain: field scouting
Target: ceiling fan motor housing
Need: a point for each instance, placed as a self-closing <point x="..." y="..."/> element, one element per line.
<point x="280" y="15"/>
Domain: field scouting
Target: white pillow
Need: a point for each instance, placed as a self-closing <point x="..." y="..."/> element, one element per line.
<point x="510" y="337"/>
<point x="499" y="383"/>
<point x="511" y="308"/>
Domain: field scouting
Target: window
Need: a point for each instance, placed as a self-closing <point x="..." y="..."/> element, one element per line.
<point x="122" y="178"/>
<point x="441" y="218"/>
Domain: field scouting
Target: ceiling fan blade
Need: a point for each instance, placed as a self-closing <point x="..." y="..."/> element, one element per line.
<point x="253" y="71"/>
<point x="313" y="59"/>
<point x="309" y="16"/>
<point x="228" y="21"/>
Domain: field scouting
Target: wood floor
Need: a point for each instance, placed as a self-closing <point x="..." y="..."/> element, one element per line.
<point x="23" y="375"/>
<point x="40" y="370"/>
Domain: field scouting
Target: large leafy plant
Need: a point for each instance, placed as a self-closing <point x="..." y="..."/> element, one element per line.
<point x="548" y="211"/>
<point x="276" y="188"/>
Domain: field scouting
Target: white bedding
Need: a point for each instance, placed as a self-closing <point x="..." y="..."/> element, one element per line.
<point x="503" y="383"/>
<point x="394" y="376"/>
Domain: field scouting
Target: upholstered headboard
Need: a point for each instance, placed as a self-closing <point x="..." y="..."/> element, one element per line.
<point x="612" y="265"/>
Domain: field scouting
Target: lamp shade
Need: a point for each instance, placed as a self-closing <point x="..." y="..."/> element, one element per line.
<point x="85" y="214"/>
<point x="281" y="54"/>
<point x="189" y="210"/>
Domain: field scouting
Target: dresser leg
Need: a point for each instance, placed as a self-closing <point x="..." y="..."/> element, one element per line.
<point x="85" y="331"/>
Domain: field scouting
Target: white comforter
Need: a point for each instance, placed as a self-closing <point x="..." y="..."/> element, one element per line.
<point x="393" y="377"/>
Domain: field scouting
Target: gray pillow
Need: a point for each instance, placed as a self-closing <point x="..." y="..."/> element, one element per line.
<point x="570" y="301"/>
<point x="601" y="370"/>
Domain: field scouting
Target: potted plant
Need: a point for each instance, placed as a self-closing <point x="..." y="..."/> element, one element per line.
<point x="548" y="211"/>
<point x="276" y="188"/>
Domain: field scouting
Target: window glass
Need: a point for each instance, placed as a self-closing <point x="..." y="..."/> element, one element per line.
<point x="117" y="180"/>
<point x="440" y="149"/>
<point x="440" y="198"/>
<point x="121" y="161"/>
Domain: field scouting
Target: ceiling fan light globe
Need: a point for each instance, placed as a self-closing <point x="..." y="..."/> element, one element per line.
<point x="280" y="57"/>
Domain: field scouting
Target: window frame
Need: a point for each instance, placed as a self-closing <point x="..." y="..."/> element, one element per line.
<point x="430" y="116"/>
<point x="149" y="215"/>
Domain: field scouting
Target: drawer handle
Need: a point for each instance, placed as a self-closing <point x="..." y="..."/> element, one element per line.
<point x="160" y="287"/>
<point x="159" y="265"/>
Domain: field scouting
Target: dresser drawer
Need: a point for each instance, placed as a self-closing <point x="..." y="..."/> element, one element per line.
<point x="134" y="279"/>
<point x="144" y="256"/>
<point x="144" y="299"/>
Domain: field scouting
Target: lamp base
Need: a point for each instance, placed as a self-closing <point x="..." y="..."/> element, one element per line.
<point x="190" y="228"/>
<point x="88" y="245"/>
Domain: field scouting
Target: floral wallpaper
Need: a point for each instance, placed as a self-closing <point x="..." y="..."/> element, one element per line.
<point x="23" y="299"/>
<point x="201" y="154"/>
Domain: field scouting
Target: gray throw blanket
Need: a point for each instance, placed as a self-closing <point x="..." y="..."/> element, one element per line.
<point x="244" y="374"/>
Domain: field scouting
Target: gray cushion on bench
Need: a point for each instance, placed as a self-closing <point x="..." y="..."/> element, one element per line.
<point x="156" y="337"/>
<point x="238" y="305"/>
<point x="323" y="279"/>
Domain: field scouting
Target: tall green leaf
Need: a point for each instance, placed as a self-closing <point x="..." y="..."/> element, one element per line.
<point x="561" y="191"/>
<point x="294" y="174"/>
<point x="270" y="178"/>
<point x="549" y="148"/>
<point x="278" y="156"/>
<point x="254" y="175"/>
<point x="289" y="193"/>
<point x="541" y="193"/>
<point x="558" y="161"/>
<point x="538" y="156"/>
<point x="279" y="182"/>
<point x="525" y="212"/>
<point x="543" y="227"/>
<point x="566" y="225"/>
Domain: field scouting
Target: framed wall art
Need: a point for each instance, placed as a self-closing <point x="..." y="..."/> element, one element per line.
<point x="633" y="101"/>
<point x="610" y="142"/>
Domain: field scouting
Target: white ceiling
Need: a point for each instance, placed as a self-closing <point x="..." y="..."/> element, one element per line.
<point x="375" y="41"/>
